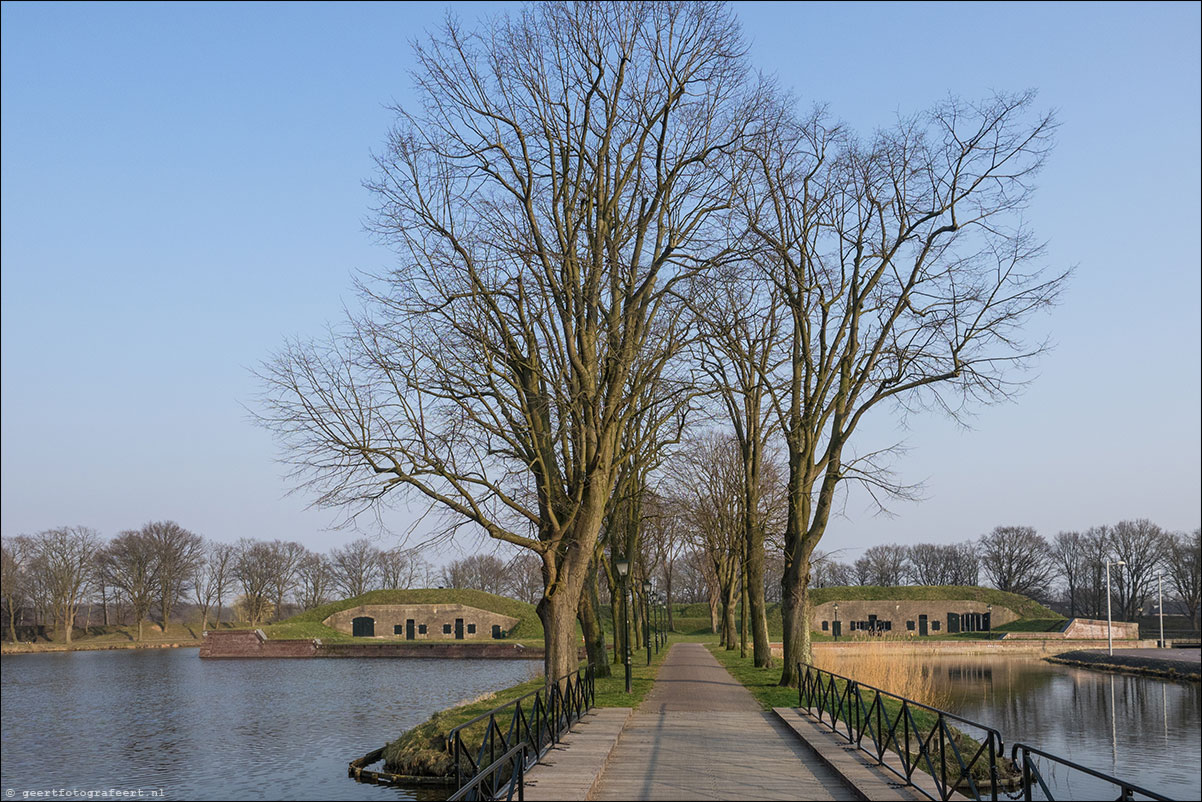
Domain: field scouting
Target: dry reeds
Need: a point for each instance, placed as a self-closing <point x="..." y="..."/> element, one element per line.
<point x="873" y="664"/>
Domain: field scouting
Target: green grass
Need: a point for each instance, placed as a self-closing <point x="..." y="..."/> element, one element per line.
<point x="762" y="682"/>
<point x="422" y="751"/>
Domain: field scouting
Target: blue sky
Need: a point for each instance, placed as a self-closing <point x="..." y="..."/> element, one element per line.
<point x="181" y="190"/>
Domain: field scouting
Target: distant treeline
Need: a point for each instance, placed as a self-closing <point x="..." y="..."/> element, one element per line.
<point x="72" y="574"/>
<point x="1068" y="571"/>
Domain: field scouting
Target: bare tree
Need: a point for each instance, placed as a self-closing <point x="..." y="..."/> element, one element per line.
<point x="221" y="560"/>
<point x="356" y="567"/>
<point x="14" y="582"/>
<point x="65" y="558"/>
<point x="1017" y="559"/>
<point x="964" y="566"/>
<point x="524" y="578"/>
<point x="883" y="565"/>
<point x="709" y="485"/>
<point x="557" y="182"/>
<point x="1069" y="556"/>
<point x="938" y="564"/>
<point x="316" y="577"/>
<point x="1184" y="563"/>
<point x="1142" y="546"/>
<point x="180" y="553"/>
<point x="254" y="569"/>
<point x="907" y="275"/>
<point x="288" y="557"/>
<point x="131" y="562"/>
<point x="485" y="572"/>
<point x="399" y="568"/>
<point x="741" y="328"/>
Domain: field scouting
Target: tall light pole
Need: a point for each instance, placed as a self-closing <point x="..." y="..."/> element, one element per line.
<point x="836" y="625"/>
<point x="647" y="617"/>
<point x="623" y="567"/>
<point x="1160" y="604"/>
<point x="1109" y="634"/>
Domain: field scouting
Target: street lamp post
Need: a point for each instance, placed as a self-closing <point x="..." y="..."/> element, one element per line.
<point x="1160" y="604"/>
<point x="647" y="618"/>
<point x="1109" y="633"/>
<point x="623" y="567"/>
<point x="836" y="625"/>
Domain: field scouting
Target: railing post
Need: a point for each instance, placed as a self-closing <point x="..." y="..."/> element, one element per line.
<point x="1026" y="776"/>
<point x="942" y="756"/>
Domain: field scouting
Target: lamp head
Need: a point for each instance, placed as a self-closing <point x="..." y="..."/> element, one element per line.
<point x="623" y="567"/>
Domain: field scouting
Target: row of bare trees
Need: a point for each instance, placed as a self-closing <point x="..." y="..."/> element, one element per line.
<point x="53" y="578"/>
<point x="1068" y="570"/>
<point x="612" y="230"/>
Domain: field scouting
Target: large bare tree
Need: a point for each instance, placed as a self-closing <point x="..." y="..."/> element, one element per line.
<point x="65" y="558"/>
<point x="907" y="275"/>
<point x="180" y="554"/>
<point x="131" y="563"/>
<point x="557" y="180"/>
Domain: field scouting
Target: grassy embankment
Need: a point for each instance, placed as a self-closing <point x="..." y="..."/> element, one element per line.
<point x="422" y="751"/>
<point x="102" y="638"/>
<point x="528" y="630"/>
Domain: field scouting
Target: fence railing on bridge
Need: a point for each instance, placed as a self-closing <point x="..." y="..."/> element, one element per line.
<point x="937" y="753"/>
<point x="535" y="722"/>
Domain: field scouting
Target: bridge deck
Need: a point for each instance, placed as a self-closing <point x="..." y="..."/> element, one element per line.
<point x="700" y="734"/>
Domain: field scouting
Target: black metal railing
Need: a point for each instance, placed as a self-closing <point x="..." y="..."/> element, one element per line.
<point x="954" y="754"/>
<point x="1024" y="757"/>
<point x="536" y="722"/>
<point x="503" y="779"/>
<point x="904" y="736"/>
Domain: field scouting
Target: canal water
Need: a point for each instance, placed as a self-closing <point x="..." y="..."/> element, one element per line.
<point x="285" y="729"/>
<point x="1143" y="730"/>
<point x="166" y="720"/>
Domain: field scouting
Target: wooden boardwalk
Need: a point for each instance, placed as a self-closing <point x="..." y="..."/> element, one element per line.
<point x="699" y="734"/>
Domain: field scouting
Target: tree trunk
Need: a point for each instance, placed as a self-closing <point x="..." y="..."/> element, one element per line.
<point x="558" y="615"/>
<point x="761" y="646"/>
<point x="743" y="616"/>
<point x="594" y="635"/>
<point x="794" y="598"/>
<point x="714" y="603"/>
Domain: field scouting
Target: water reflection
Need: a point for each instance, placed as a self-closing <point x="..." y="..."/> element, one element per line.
<point x="1146" y="731"/>
<point x="230" y="729"/>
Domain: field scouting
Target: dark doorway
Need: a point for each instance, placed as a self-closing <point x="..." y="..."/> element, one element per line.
<point x="458" y="629"/>
<point x="922" y="625"/>
<point x="363" y="627"/>
<point x="836" y="628"/>
<point x="496" y="632"/>
<point x="409" y="624"/>
<point x="953" y="622"/>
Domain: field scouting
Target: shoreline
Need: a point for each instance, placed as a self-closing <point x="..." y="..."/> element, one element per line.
<point x="54" y="648"/>
<point x="1143" y="665"/>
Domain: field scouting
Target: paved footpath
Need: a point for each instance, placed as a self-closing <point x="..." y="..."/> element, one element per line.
<point x="699" y="734"/>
